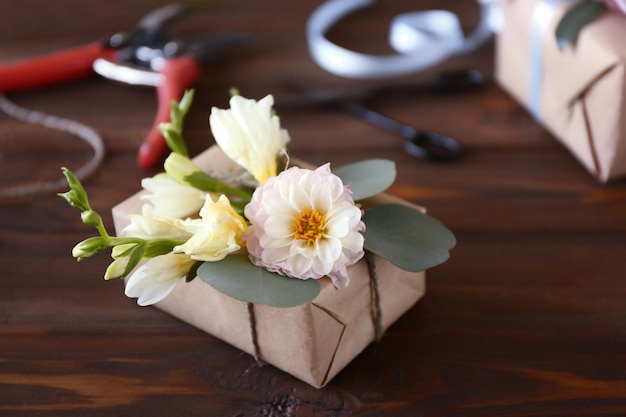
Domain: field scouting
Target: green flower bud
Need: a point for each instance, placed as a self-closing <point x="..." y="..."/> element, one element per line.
<point x="77" y="196"/>
<point x="178" y="167"/>
<point x="91" y="217"/>
<point x="185" y="102"/>
<point x="89" y="247"/>
<point x="123" y="250"/>
<point x="116" y="268"/>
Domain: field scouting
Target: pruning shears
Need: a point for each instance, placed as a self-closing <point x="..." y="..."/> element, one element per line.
<point x="146" y="55"/>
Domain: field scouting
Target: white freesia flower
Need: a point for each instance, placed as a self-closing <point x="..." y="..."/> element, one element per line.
<point x="305" y="225"/>
<point x="149" y="225"/>
<point x="216" y="234"/>
<point x="154" y="280"/>
<point x="250" y="135"/>
<point x="170" y="198"/>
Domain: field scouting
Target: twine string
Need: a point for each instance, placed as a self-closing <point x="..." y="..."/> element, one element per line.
<point x="256" y="351"/>
<point x="84" y="132"/>
<point x="375" y="308"/>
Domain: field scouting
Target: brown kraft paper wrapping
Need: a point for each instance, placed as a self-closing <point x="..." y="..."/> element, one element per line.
<point x="581" y="91"/>
<point x="312" y="342"/>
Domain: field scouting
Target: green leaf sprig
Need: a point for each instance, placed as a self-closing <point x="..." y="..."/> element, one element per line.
<point x="172" y="131"/>
<point x="128" y="252"/>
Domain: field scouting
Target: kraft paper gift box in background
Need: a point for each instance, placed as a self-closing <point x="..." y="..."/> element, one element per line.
<point x="578" y="94"/>
<point x="312" y="342"/>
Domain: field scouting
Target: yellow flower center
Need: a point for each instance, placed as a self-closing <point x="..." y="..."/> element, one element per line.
<point x="309" y="225"/>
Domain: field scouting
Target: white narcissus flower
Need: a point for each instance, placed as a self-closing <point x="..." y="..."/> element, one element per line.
<point x="149" y="225"/>
<point x="216" y="234"/>
<point x="154" y="280"/>
<point x="250" y="135"/>
<point x="170" y="198"/>
<point x="304" y="224"/>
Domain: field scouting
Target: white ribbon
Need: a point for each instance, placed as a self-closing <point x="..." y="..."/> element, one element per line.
<point x="422" y="39"/>
<point x="543" y="13"/>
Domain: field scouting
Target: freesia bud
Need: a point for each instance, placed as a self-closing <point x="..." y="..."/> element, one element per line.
<point x="91" y="217"/>
<point x="77" y="196"/>
<point x="89" y="247"/>
<point x="178" y="167"/>
<point x="116" y="268"/>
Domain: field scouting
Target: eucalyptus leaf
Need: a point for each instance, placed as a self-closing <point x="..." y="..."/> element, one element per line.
<point x="367" y="178"/>
<point x="237" y="277"/>
<point x="406" y="237"/>
<point x="574" y="20"/>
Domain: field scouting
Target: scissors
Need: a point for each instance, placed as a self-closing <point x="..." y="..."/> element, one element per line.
<point x="143" y="56"/>
<point x="420" y="144"/>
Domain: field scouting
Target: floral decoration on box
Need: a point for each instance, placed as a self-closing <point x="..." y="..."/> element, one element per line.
<point x="262" y="233"/>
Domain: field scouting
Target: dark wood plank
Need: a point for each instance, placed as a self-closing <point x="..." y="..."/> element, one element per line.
<point x="527" y="318"/>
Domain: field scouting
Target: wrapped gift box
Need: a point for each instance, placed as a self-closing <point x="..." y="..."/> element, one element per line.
<point x="578" y="94"/>
<point x="312" y="342"/>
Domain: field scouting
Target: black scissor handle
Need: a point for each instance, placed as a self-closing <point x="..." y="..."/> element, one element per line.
<point x="422" y="144"/>
<point x="432" y="146"/>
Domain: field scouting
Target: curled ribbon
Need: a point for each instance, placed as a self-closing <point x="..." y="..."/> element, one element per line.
<point x="422" y="39"/>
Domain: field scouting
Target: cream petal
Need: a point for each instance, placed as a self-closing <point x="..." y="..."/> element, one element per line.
<point x="340" y="278"/>
<point x="329" y="250"/>
<point x="273" y="206"/>
<point x="321" y="268"/>
<point x="300" y="247"/>
<point x="270" y="242"/>
<point x="272" y="256"/>
<point x="337" y="227"/>
<point x="279" y="226"/>
<point x="300" y="266"/>
<point x="147" y="288"/>
<point x="298" y="198"/>
<point x="353" y="242"/>
<point x="321" y="197"/>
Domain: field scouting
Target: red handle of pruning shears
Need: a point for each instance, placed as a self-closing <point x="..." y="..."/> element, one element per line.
<point x="53" y="68"/>
<point x="179" y="74"/>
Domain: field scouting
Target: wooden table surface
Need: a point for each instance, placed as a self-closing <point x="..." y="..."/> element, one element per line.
<point x="527" y="318"/>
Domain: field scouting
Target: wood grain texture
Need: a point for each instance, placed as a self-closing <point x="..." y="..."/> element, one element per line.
<point x="527" y="318"/>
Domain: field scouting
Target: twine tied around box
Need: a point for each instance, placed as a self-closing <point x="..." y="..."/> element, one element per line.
<point x="375" y="309"/>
